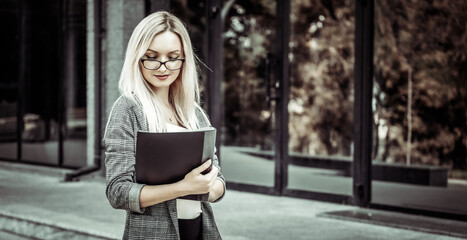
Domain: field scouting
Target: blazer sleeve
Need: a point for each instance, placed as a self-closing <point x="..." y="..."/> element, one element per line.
<point x="220" y="176"/>
<point x="119" y="140"/>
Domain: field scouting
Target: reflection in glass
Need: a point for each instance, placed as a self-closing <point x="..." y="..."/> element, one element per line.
<point x="321" y="96"/>
<point x="53" y="93"/>
<point x="41" y="84"/>
<point x="8" y="77"/>
<point x="8" y="129"/>
<point x="247" y="134"/>
<point x="419" y="104"/>
<point x="54" y="100"/>
<point x="40" y="138"/>
<point x="74" y="139"/>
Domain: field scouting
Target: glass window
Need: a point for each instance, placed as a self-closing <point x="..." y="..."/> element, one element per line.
<point x="419" y="105"/>
<point x="40" y="107"/>
<point x="53" y="94"/>
<point x="321" y="96"/>
<point x="247" y="134"/>
<point x="8" y="80"/>
<point x="75" y="134"/>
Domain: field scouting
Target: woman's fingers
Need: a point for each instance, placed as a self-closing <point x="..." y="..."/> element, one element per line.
<point x="201" y="183"/>
<point x="203" y="166"/>
<point x="213" y="173"/>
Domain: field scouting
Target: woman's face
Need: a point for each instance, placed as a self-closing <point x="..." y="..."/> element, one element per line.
<point x="164" y="47"/>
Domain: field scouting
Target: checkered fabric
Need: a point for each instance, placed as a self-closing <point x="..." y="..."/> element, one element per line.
<point x="155" y="222"/>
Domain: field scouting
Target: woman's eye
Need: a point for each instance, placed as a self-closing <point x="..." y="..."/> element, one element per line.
<point x="151" y="57"/>
<point x="173" y="58"/>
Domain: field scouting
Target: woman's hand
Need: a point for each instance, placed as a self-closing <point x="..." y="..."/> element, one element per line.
<point x="193" y="183"/>
<point x="196" y="183"/>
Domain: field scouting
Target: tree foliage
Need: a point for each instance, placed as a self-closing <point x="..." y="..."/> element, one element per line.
<point x="428" y="38"/>
<point x="248" y="38"/>
<point x="321" y="98"/>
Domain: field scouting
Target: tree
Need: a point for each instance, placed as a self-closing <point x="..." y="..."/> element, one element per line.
<point x="429" y="39"/>
<point x="248" y="38"/>
<point x="321" y="107"/>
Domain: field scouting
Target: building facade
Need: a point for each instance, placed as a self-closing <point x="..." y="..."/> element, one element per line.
<point x="310" y="99"/>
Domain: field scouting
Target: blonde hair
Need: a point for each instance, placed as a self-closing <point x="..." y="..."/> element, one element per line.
<point x="184" y="91"/>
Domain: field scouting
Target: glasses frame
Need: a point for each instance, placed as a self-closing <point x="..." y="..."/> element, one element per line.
<point x="162" y="63"/>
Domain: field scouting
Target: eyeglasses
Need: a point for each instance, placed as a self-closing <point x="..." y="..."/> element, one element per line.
<point x="153" y="64"/>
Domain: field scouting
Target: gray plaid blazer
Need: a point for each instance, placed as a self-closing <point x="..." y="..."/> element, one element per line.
<point x="158" y="221"/>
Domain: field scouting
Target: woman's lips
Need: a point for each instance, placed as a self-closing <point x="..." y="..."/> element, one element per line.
<point x="162" y="77"/>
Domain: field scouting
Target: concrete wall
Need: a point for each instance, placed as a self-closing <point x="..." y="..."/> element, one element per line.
<point x="90" y="83"/>
<point x="120" y="18"/>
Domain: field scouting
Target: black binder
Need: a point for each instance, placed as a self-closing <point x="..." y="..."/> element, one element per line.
<point x="163" y="158"/>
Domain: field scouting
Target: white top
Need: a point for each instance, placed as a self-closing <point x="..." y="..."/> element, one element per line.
<point x="186" y="209"/>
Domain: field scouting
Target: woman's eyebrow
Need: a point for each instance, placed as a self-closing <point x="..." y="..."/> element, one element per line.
<point x="174" y="51"/>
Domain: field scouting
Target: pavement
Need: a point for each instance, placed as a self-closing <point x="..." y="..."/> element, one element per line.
<point x="37" y="204"/>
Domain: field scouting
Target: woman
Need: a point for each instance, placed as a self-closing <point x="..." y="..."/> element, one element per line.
<point x="159" y="86"/>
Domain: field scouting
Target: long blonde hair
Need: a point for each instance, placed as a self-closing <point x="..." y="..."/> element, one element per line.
<point x="184" y="91"/>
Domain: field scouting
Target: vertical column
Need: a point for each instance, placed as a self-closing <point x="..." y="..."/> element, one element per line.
<point x="363" y="74"/>
<point x="21" y="75"/>
<point x="92" y="78"/>
<point x="63" y="69"/>
<point x="282" y="90"/>
<point x="121" y="17"/>
<point x="215" y="76"/>
<point x="116" y="19"/>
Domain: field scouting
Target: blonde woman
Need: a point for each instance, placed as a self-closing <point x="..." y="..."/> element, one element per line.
<point x="160" y="93"/>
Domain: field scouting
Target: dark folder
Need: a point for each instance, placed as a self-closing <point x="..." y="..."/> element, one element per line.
<point x="163" y="158"/>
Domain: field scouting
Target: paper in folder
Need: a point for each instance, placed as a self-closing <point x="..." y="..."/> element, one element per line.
<point x="163" y="158"/>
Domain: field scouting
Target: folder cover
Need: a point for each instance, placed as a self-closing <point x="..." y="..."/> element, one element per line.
<point x="163" y="158"/>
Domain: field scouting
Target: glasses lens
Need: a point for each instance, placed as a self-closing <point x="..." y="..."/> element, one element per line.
<point x="170" y="65"/>
<point x="173" y="64"/>
<point x="149" y="64"/>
